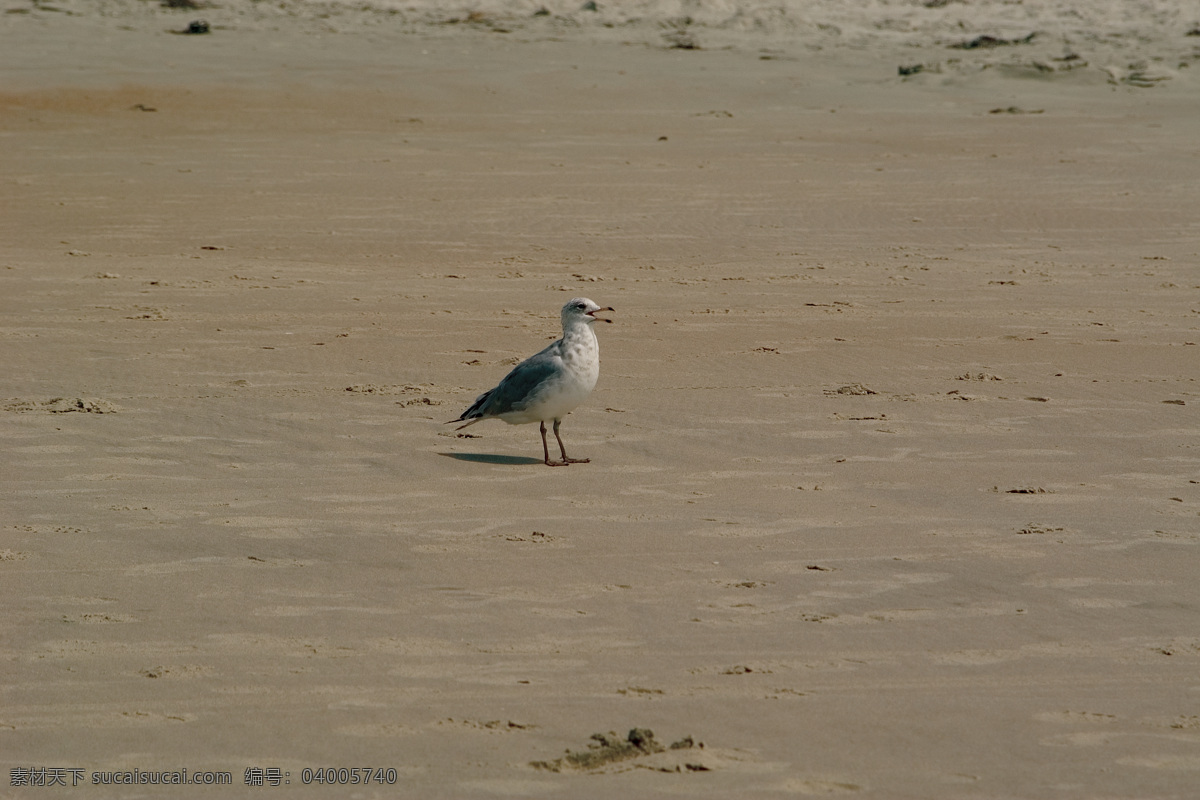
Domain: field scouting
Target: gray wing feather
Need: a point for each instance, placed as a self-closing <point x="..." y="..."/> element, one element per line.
<point x="519" y="387"/>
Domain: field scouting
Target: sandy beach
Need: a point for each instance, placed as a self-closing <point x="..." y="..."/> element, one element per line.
<point x="895" y="458"/>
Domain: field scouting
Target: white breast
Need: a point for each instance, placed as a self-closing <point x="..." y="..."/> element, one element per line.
<point x="581" y="369"/>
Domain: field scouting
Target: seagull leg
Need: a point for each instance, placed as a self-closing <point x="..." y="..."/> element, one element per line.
<point x="546" y="448"/>
<point x="563" y="450"/>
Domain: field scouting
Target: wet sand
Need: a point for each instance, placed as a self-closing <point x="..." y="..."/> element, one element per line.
<point x="894" y="474"/>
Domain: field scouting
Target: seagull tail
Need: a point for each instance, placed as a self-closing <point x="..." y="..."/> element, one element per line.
<point x="474" y="413"/>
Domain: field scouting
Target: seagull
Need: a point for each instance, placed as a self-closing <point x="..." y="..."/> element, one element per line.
<point x="549" y="385"/>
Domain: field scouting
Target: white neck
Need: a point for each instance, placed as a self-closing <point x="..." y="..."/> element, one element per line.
<point x="577" y="327"/>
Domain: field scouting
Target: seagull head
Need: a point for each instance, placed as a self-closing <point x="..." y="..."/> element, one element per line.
<point x="582" y="309"/>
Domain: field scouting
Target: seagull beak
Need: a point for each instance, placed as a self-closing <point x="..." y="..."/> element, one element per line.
<point x="592" y="314"/>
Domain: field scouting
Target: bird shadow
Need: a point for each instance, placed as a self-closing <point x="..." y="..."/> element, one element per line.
<point x="492" y="458"/>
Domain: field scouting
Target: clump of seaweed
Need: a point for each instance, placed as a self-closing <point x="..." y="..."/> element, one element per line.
<point x="609" y="748"/>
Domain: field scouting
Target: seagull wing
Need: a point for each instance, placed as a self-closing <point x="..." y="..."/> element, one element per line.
<point x="520" y="388"/>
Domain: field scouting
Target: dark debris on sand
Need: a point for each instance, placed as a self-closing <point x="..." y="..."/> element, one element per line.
<point x="992" y="41"/>
<point x="609" y="748"/>
<point x="60" y="405"/>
